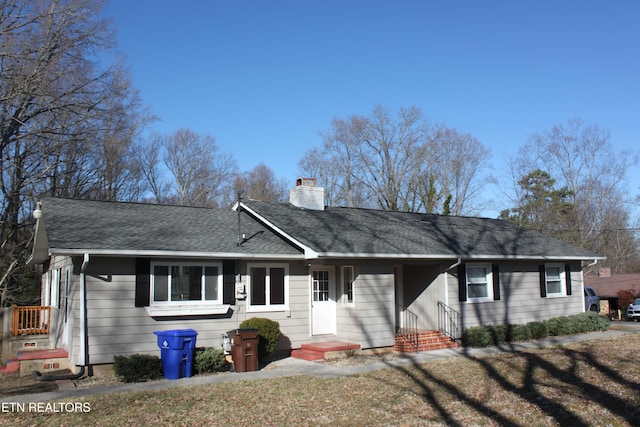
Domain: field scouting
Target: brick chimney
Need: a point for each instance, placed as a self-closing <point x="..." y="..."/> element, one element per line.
<point x="605" y="272"/>
<point x="307" y="195"/>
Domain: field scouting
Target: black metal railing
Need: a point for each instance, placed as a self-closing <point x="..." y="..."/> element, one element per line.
<point x="409" y="328"/>
<point x="448" y="321"/>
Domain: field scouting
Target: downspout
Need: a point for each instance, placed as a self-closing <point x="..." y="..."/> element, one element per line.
<point x="455" y="264"/>
<point x="39" y="377"/>
<point x="84" y="338"/>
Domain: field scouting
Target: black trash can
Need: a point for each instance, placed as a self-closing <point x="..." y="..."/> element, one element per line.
<point x="176" y="352"/>
<point x="244" y="349"/>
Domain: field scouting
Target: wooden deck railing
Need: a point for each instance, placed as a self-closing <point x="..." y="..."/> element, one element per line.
<point x="30" y="320"/>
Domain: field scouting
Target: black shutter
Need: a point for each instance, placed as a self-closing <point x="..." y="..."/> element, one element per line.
<point x="462" y="282"/>
<point x="228" y="282"/>
<point x="143" y="282"/>
<point x="543" y="281"/>
<point x="567" y="276"/>
<point x="495" y="272"/>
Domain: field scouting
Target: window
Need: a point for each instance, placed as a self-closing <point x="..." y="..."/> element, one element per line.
<point x="186" y="283"/>
<point x="347" y="285"/>
<point x="479" y="282"/>
<point x="554" y="279"/>
<point x="268" y="287"/>
<point x="54" y="288"/>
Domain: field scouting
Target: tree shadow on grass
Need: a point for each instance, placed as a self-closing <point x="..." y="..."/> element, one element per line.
<point x="536" y="374"/>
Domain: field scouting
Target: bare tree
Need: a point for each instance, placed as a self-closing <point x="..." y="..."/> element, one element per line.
<point x="581" y="158"/>
<point x="193" y="171"/>
<point x="260" y="183"/>
<point x="65" y="124"/>
<point x="398" y="163"/>
<point x="458" y="162"/>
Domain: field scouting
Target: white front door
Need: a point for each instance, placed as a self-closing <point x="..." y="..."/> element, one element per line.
<point x="323" y="301"/>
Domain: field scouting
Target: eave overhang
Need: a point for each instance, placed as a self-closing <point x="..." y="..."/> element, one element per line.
<point x="172" y="254"/>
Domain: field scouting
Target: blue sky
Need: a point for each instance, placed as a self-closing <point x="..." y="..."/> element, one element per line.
<point x="266" y="77"/>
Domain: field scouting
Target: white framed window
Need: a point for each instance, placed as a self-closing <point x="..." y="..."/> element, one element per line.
<point x="347" y="278"/>
<point x="186" y="283"/>
<point x="479" y="282"/>
<point x="554" y="280"/>
<point x="267" y="287"/>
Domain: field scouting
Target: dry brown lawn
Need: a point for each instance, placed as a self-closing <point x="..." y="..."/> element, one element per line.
<point x="591" y="383"/>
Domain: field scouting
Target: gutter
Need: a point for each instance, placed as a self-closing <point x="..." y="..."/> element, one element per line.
<point x="173" y="254"/>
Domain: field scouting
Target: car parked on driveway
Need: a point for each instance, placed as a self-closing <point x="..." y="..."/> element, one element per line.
<point x="591" y="300"/>
<point x="633" y="312"/>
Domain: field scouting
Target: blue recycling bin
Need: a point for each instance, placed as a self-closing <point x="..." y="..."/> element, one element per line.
<point x="176" y="352"/>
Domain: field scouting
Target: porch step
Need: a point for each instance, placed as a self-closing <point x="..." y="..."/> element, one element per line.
<point x="42" y="354"/>
<point x="323" y="350"/>
<point x="427" y="341"/>
<point x="12" y="366"/>
<point x="48" y="360"/>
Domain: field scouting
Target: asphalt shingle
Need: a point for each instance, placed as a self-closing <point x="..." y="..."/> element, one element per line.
<point x="368" y="231"/>
<point x="99" y="225"/>
<point x="335" y="231"/>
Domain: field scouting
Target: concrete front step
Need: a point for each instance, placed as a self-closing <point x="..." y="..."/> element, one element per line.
<point x="427" y="341"/>
<point x="324" y="350"/>
<point x="12" y="366"/>
<point x="42" y="360"/>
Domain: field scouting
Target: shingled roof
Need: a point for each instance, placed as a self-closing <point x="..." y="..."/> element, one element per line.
<point x="276" y="230"/>
<point x="85" y="226"/>
<point x="354" y="232"/>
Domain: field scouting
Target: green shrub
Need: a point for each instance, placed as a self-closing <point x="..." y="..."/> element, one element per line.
<point x="498" y="333"/>
<point x="558" y="326"/>
<point x="538" y="330"/>
<point x="208" y="360"/>
<point x="589" y="322"/>
<point x="483" y="336"/>
<point x="137" y="368"/>
<point x="577" y="324"/>
<point x="269" y="331"/>
<point x="477" y="337"/>
<point x="598" y="322"/>
<point x="519" y="333"/>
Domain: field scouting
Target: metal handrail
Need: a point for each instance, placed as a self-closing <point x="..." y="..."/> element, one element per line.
<point x="448" y="321"/>
<point x="30" y="320"/>
<point x="409" y="329"/>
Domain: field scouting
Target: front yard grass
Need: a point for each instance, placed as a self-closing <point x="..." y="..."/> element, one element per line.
<point x="591" y="383"/>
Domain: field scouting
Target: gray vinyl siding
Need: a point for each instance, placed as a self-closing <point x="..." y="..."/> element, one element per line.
<point x="117" y="327"/>
<point x="423" y="288"/>
<point x="347" y="323"/>
<point x="371" y="320"/>
<point x="520" y="301"/>
<point x="58" y="326"/>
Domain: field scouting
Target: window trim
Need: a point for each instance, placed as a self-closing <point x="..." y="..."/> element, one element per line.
<point x="255" y="308"/>
<point x="489" y="282"/>
<point x="343" y="286"/>
<point x="185" y="303"/>
<point x="562" y="279"/>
